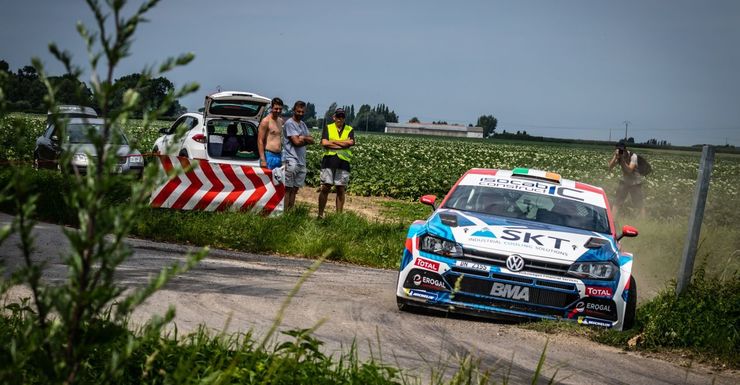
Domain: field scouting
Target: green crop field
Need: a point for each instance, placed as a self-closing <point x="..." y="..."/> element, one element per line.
<point x="407" y="167"/>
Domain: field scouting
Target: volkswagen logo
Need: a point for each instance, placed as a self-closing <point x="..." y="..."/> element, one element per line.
<point x="515" y="262"/>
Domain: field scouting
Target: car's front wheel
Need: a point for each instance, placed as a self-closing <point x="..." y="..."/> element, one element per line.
<point x="629" y="313"/>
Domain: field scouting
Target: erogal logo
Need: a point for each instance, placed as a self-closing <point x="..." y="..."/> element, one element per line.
<point x="510" y="291"/>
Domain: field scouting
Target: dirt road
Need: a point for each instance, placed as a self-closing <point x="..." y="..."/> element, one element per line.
<point x="358" y="303"/>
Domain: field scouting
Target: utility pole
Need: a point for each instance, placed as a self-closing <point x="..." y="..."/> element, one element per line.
<point x="626" y="124"/>
<point x="610" y="134"/>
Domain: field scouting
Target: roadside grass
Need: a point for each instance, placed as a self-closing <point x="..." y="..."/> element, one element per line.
<point x="344" y="237"/>
<point x="701" y="325"/>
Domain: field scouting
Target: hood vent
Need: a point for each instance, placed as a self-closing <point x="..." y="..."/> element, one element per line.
<point x="448" y="219"/>
<point x="595" y="243"/>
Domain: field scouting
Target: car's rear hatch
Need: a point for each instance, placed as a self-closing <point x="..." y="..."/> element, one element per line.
<point x="231" y="106"/>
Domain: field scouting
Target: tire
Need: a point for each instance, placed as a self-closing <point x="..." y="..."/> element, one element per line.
<point x="402" y="306"/>
<point x="155" y="150"/>
<point x="35" y="161"/>
<point x="630" y="310"/>
<point x="183" y="153"/>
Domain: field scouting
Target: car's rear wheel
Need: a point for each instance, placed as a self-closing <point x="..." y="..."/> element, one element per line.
<point x="35" y="160"/>
<point x="629" y="313"/>
<point x="155" y="150"/>
<point x="183" y="153"/>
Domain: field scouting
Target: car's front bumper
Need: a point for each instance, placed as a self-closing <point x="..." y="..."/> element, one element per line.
<point x="436" y="282"/>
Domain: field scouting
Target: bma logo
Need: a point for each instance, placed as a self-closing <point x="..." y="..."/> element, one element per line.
<point x="510" y="291"/>
<point x="515" y="262"/>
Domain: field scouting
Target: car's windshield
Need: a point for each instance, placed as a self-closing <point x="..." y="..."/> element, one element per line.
<point x="528" y="205"/>
<point x="78" y="133"/>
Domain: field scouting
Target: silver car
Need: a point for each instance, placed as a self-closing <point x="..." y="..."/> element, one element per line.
<point x="51" y="145"/>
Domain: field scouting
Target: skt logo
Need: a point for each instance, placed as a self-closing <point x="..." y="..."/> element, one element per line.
<point x="527" y="237"/>
<point x="510" y="291"/>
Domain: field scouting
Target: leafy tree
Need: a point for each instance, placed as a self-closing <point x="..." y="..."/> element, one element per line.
<point x="488" y="122"/>
<point x="70" y="90"/>
<point x="329" y="113"/>
<point x="414" y="120"/>
<point x="310" y="111"/>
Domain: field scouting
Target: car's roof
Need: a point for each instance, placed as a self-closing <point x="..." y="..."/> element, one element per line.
<point x="530" y="173"/>
<point x="592" y="194"/>
<point x="73" y="110"/>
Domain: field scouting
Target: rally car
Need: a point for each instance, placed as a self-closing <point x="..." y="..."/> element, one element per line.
<point x="523" y="244"/>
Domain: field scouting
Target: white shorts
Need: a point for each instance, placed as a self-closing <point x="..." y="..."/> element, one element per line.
<point x="336" y="177"/>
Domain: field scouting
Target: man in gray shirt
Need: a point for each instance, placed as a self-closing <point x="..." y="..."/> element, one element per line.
<point x="294" y="153"/>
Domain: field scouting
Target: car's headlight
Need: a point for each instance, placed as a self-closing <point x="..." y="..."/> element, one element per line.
<point x="79" y="159"/>
<point x="135" y="159"/>
<point x="440" y="246"/>
<point x="593" y="270"/>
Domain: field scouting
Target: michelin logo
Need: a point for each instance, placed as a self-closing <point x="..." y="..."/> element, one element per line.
<point x="420" y="294"/>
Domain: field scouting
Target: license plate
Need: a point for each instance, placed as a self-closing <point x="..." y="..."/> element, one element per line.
<point x="472" y="266"/>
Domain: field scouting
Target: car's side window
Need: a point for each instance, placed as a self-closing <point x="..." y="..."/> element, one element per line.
<point x="193" y="122"/>
<point x="180" y="122"/>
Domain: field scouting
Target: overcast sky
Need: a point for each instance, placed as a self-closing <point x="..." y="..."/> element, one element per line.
<point x="574" y="69"/>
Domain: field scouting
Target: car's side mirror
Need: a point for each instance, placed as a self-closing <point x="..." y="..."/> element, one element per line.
<point x="164" y="130"/>
<point x="429" y="200"/>
<point x="627" y="231"/>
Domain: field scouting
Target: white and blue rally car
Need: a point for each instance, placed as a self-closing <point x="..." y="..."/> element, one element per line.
<point x="524" y="244"/>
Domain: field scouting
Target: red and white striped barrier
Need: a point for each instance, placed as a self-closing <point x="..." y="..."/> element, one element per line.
<point x="216" y="187"/>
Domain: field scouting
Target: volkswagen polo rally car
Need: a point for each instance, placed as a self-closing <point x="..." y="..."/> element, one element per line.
<point x="523" y="244"/>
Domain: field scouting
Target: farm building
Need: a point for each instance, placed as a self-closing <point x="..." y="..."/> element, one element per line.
<point x="434" y="129"/>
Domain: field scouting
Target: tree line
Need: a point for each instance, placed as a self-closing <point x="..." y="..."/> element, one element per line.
<point x="24" y="91"/>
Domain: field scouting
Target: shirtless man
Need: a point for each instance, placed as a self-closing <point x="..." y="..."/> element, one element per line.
<point x="269" y="136"/>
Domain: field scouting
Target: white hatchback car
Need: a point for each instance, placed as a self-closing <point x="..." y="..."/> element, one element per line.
<point x="226" y="131"/>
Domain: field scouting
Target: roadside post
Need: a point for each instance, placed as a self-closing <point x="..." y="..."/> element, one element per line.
<point x="695" y="219"/>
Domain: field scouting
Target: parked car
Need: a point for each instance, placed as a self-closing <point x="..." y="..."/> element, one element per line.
<point x="226" y="131"/>
<point x="521" y="244"/>
<point x="80" y="123"/>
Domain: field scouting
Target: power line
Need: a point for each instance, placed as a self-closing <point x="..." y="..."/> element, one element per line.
<point x="522" y="125"/>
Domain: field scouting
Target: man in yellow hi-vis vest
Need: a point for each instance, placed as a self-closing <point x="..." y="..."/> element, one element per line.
<point x="336" y="139"/>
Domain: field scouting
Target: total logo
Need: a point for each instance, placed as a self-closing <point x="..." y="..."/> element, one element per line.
<point x="504" y="290"/>
<point x="426" y="264"/>
<point x="598" y="291"/>
<point x="428" y="282"/>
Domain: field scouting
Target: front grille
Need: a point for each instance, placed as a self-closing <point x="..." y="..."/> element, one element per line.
<point x="518" y="306"/>
<point x="549" y="268"/>
<point x="537" y="295"/>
